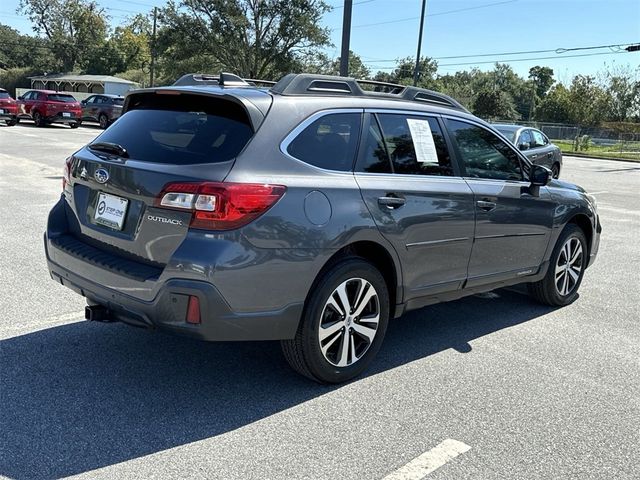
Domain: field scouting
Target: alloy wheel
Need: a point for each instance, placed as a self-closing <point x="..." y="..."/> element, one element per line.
<point x="349" y="322"/>
<point x="569" y="266"/>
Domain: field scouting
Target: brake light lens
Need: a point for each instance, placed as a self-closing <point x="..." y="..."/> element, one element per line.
<point x="218" y="205"/>
<point x="66" y="172"/>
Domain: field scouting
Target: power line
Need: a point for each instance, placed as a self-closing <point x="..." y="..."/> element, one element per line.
<point x="407" y="19"/>
<point x="560" y="51"/>
<point x="380" y="67"/>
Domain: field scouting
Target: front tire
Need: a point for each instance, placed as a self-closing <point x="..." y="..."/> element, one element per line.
<point x="343" y="324"/>
<point x="555" y="170"/>
<point x="559" y="287"/>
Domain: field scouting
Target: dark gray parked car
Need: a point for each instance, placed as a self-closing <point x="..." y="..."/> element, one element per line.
<point x="103" y="109"/>
<point x="310" y="213"/>
<point x="535" y="145"/>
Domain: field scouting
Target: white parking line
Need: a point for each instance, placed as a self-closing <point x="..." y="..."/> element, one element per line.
<point x="430" y="461"/>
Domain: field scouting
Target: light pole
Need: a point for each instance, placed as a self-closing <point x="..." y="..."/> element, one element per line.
<point x="346" y="38"/>
<point x="416" y="72"/>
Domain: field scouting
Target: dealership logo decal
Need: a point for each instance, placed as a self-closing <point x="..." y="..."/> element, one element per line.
<point x="101" y="175"/>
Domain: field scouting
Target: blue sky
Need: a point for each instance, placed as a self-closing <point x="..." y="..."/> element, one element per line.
<point x="384" y="30"/>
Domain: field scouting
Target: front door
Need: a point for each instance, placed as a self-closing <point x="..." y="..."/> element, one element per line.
<point x="418" y="199"/>
<point x="513" y="226"/>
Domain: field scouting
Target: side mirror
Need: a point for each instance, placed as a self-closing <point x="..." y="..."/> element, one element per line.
<point x="83" y="102"/>
<point x="524" y="146"/>
<point x="540" y="176"/>
<point x="20" y="97"/>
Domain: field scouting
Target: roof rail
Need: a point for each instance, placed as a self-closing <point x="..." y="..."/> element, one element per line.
<point x="305" y="83"/>
<point x="223" y="80"/>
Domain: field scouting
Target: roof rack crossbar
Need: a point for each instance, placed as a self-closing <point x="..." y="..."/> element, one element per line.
<point x="223" y="80"/>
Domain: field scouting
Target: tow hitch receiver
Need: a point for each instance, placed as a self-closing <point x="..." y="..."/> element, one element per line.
<point x="97" y="313"/>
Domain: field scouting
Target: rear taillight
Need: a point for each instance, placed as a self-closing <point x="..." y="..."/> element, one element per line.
<point x="220" y="206"/>
<point x="66" y="172"/>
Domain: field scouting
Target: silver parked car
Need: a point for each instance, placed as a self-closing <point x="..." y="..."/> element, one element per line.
<point x="535" y="145"/>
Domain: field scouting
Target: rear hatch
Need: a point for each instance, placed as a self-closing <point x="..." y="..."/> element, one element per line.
<point x="7" y="104"/>
<point x="165" y="136"/>
<point x="62" y="104"/>
<point x="116" y="107"/>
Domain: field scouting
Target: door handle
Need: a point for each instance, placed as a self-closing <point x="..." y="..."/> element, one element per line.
<point x="550" y="154"/>
<point x="485" y="205"/>
<point x="534" y="156"/>
<point x="391" y="201"/>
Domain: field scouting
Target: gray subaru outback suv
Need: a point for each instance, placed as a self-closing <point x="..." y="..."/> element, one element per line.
<point x="311" y="213"/>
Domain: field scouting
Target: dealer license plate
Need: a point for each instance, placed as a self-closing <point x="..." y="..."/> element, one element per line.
<point x="111" y="210"/>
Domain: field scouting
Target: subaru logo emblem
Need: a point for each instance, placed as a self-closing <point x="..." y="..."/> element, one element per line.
<point x="101" y="175"/>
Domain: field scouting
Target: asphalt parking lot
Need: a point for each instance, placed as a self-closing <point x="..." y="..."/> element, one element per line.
<point x="534" y="392"/>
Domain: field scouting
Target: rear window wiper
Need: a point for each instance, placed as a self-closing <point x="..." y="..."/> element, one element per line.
<point x="109" y="147"/>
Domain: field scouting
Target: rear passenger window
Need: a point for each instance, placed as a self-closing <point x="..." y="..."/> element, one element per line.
<point x="414" y="145"/>
<point x="330" y="142"/>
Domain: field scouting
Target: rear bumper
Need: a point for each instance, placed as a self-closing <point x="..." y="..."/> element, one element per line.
<point x="167" y="310"/>
<point x="64" y="120"/>
<point x="8" y="116"/>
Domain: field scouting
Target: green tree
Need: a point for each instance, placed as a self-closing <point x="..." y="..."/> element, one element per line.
<point x="74" y="28"/>
<point x="542" y="78"/>
<point x="555" y="106"/>
<point x="403" y="73"/>
<point x="133" y="41"/>
<point x="24" y="51"/>
<point x="252" y="38"/>
<point x="495" y="104"/>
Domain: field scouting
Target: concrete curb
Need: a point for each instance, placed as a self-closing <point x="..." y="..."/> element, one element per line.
<point x="578" y="155"/>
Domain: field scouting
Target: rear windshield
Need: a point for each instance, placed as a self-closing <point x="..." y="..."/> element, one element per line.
<point x="57" y="97"/>
<point x="508" y="132"/>
<point x="181" y="130"/>
<point x="4" y="94"/>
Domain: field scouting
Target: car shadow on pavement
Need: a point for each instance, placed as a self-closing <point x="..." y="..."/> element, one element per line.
<point x="82" y="396"/>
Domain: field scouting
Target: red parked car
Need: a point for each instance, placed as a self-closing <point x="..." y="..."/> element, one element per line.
<point x="8" y="108"/>
<point x="46" y="106"/>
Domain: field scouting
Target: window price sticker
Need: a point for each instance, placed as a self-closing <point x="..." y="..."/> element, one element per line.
<point x="423" y="141"/>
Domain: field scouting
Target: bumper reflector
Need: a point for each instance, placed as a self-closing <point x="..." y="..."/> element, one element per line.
<point x="193" y="310"/>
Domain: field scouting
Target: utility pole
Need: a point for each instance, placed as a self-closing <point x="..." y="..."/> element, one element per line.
<point x="346" y="38"/>
<point x="153" y="49"/>
<point x="416" y="72"/>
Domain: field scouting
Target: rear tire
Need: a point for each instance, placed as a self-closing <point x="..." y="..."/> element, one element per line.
<point x="103" y="121"/>
<point x="38" y="120"/>
<point x="337" y="342"/>
<point x="560" y="285"/>
<point x="74" y="125"/>
<point x="11" y="123"/>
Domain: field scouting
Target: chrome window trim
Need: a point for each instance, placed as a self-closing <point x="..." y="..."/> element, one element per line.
<point x="297" y="130"/>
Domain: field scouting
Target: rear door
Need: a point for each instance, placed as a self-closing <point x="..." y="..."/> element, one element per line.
<point x="163" y="139"/>
<point x="27" y="103"/>
<point x="513" y="227"/>
<point x="417" y="198"/>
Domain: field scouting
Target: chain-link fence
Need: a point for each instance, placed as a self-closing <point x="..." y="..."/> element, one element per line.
<point x="594" y="141"/>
